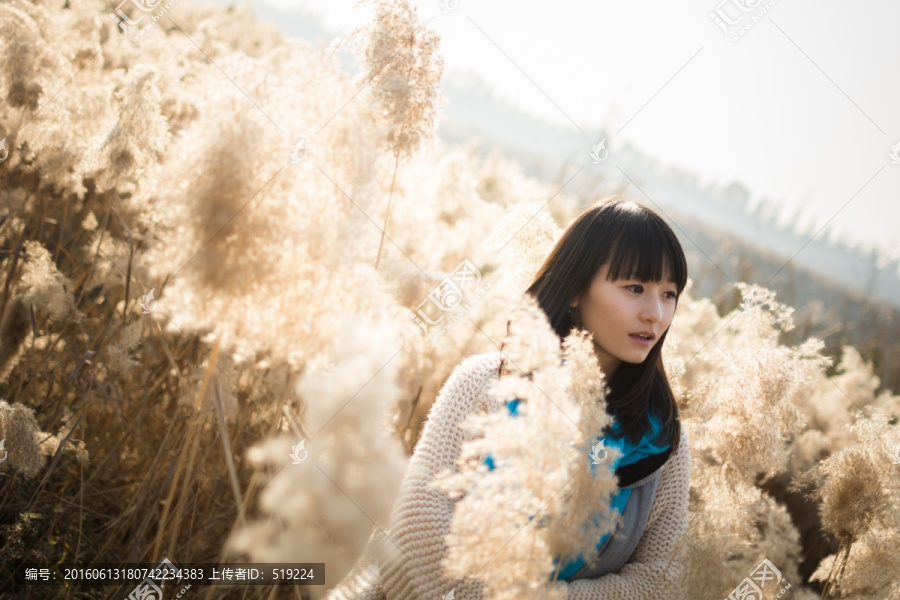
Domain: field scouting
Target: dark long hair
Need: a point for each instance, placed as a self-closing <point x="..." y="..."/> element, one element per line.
<point x="638" y="244"/>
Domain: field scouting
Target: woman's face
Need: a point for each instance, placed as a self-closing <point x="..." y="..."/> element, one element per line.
<point x="616" y="312"/>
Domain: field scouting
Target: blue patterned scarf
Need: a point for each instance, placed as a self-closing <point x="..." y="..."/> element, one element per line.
<point x="630" y="454"/>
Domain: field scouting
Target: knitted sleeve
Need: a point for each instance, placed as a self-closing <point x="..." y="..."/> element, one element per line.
<point x="362" y="582"/>
<point x="422" y="516"/>
<point x="655" y="566"/>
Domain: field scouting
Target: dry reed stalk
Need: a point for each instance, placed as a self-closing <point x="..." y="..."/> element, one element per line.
<point x="226" y="447"/>
<point x="194" y="430"/>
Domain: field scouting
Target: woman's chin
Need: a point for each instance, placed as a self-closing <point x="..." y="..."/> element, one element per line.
<point x="635" y="358"/>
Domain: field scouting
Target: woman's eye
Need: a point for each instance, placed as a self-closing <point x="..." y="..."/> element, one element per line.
<point x="672" y="295"/>
<point x="636" y="288"/>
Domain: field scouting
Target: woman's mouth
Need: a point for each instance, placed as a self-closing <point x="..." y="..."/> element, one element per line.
<point x="642" y="339"/>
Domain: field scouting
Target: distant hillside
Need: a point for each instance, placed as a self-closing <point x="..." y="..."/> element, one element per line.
<point x="552" y="153"/>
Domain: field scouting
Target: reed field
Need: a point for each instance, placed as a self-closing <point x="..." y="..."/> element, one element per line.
<point x="216" y="243"/>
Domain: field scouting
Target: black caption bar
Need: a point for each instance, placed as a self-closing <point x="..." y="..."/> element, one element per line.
<point x="166" y="573"/>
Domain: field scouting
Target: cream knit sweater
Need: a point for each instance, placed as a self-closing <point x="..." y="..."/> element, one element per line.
<point x="422" y="516"/>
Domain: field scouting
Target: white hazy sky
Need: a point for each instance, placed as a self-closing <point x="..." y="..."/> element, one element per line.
<point x="803" y="108"/>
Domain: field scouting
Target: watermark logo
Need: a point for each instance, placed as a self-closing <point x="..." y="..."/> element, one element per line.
<point x="4" y="153"/>
<point x="721" y="17"/>
<point x="450" y="596"/>
<point x="751" y="587"/>
<point x="448" y="297"/>
<point x="447" y="6"/>
<point x="895" y="153"/>
<point x="739" y="16"/>
<point x="596" y="449"/>
<point x="122" y="19"/>
<point x="895" y="454"/>
<point x="296" y="450"/>
<point x="298" y="152"/>
<point x="147" y="589"/>
<point x="599" y="153"/>
<point x="147" y="302"/>
<point x="3" y="449"/>
<point x="751" y="299"/>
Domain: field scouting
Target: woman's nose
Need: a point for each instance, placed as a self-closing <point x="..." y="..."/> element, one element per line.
<point x="652" y="310"/>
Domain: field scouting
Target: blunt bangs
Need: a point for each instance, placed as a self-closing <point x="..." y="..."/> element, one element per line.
<point x="644" y="251"/>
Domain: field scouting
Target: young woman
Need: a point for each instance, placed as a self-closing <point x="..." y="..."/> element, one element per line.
<point x="617" y="272"/>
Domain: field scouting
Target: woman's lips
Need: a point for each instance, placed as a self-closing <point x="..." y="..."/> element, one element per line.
<point x="640" y="340"/>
